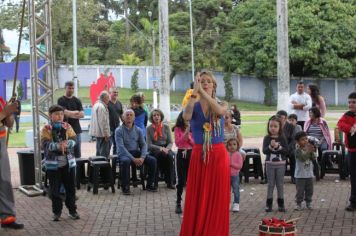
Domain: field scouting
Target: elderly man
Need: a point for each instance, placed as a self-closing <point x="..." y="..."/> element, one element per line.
<point x="132" y="149"/>
<point x="300" y="103"/>
<point x="100" y="125"/>
<point x="7" y="201"/>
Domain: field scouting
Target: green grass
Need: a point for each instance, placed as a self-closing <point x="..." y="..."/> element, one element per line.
<point x="263" y="118"/>
<point x="256" y="130"/>
<point x="17" y="139"/>
<point x="124" y="95"/>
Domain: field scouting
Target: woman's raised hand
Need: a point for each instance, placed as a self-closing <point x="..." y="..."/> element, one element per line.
<point x="197" y="84"/>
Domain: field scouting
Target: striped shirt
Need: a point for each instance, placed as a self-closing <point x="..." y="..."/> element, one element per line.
<point x="315" y="131"/>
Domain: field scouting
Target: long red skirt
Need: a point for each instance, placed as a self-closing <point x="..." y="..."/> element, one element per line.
<point x="207" y="199"/>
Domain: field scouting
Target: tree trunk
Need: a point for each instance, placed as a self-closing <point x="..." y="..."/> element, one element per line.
<point x="164" y="89"/>
<point x="283" y="89"/>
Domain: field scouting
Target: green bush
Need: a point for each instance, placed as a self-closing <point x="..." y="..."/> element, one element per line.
<point x="229" y="93"/>
<point x="134" y="81"/>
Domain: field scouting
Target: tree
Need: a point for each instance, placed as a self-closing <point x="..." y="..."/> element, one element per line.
<point x="134" y="81"/>
<point x="209" y="23"/>
<point x="3" y="48"/>
<point x="9" y="12"/>
<point x="22" y="57"/>
<point x="92" y="32"/>
<point x="229" y="93"/>
<point x="321" y="34"/>
<point x="129" y="59"/>
<point x="20" y="91"/>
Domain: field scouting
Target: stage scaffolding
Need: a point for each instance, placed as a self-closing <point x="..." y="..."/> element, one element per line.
<point x="40" y="33"/>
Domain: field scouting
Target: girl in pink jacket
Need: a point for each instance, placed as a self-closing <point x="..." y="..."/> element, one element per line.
<point x="236" y="162"/>
<point x="184" y="142"/>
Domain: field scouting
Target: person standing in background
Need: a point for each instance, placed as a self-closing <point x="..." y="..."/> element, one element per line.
<point x="115" y="113"/>
<point x="17" y="113"/>
<point x="73" y="112"/>
<point x="100" y="125"/>
<point x="317" y="100"/>
<point x="300" y="103"/>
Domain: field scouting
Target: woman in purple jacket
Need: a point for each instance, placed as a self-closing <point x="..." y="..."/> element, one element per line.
<point x="318" y="128"/>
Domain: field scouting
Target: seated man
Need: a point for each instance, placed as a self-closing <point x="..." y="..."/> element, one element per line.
<point x="132" y="149"/>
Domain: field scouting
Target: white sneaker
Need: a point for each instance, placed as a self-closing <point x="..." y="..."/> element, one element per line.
<point x="235" y="207"/>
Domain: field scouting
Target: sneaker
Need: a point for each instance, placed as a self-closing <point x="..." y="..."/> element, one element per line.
<point x="151" y="188"/>
<point x="179" y="209"/>
<point x="235" y="207"/>
<point x="74" y="216"/>
<point x="12" y="225"/>
<point x="263" y="181"/>
<point x="126" y="191"/>
<point x="298" y="207"/>
<point x="56" y="217"/>
<point x="350" y="208"/>
<point x="309" y="206"/>
<point x="170" y="186"/>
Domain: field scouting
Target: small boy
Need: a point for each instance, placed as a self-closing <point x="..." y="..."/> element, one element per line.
<point x="293" y="119"/>
<point x="347" y="124"/>
<point x="58" y="143"/>
<point x="304" y="155"/>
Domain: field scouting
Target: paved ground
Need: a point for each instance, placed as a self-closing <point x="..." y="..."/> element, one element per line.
<point x="147" y="213"/>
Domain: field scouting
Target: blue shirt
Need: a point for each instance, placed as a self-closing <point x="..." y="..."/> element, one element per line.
<point x="130" y="140"/>
<point x="197" y="122"/>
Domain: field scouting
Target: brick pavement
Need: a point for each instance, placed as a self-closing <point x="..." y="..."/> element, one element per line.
<point x="147" y="213"/>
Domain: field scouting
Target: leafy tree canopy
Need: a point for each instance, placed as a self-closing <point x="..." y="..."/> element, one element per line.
<point x="321" y="38"/>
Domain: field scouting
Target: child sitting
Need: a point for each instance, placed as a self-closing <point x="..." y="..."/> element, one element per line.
<point x="304" y="155"/>
<point x="58" y="142"/>
<point x="236" y="162"/>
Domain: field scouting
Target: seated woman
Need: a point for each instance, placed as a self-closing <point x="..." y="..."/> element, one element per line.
<point x="236" y="115"/>
<point x="318" y="128"/>
<point x="159" y="141"/>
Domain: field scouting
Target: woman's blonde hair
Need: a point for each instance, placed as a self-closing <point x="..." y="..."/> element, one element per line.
<point x="210" y="74"/>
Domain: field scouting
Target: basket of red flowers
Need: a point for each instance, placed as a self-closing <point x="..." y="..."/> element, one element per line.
<point x="277" y="227"/>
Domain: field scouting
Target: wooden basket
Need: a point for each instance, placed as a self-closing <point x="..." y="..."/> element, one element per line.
<point x="265" y="230"/>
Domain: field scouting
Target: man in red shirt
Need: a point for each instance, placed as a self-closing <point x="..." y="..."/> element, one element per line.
<point x="347" y="124"/>
<point x="7" y="201"/>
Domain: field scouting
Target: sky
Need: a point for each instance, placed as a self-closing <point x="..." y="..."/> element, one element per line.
<point x="11" y="38"/>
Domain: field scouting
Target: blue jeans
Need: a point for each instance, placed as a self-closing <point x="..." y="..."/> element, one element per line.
<point x="17" y="121"/>
<point x="235" y="185"/>
<point x="77" y="146"/>
<point x="125" y="163"/>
